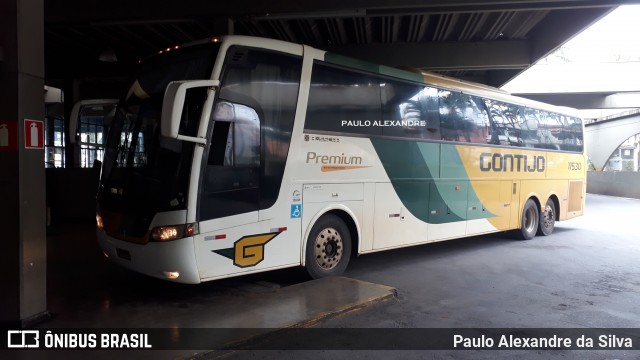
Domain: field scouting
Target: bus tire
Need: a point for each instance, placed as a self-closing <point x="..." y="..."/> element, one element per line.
<point x="328" y="247"/>
<point x="547" y="219"/>
<point x="529" y="221"/>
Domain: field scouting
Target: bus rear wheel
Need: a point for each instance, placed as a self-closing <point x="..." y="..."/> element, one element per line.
<point x="530" y="220"/>
<point x="328" y="247"/>
<point x="547" y="219"/>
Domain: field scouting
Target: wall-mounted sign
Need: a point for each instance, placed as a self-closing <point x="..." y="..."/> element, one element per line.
<point x="33" y="134"/>
<point x="8" y="136"/>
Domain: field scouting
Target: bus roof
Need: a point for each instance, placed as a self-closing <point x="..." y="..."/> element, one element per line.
<point x="447" y="82"/>
<point x="421" y="76"/>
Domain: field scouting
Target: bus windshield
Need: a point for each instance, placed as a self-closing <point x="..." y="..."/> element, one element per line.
<point x="142" y="172"/>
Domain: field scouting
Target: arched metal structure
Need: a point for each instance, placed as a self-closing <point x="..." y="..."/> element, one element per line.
<point x="603" y="137"/>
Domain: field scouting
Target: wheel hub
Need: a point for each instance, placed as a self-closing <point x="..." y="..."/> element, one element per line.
<point x="530" y="219"/>
<point x="548" y="216"/>
<point x="328" y="248"/>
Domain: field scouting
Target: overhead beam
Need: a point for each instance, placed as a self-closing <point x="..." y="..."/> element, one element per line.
<point x="497" y="78"/>
<point x="444" y="55"/>
<point x="97" y="10"/>
<point x="437" y="7"/>
<point x="560" y="26"/>
<point x="589" y="100"/>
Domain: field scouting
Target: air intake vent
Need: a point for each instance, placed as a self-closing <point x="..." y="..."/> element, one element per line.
<point x="238" y="56"/>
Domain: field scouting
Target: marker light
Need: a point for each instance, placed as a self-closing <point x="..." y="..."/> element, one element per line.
<point x="99" y="222"/>
<point x="174" y="232"/>
<point x="171" y="274"/>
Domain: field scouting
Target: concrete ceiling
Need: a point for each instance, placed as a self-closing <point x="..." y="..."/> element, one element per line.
<point x="480" y="40"/>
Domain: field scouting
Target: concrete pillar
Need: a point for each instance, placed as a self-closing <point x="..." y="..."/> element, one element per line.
<point x="223" y="26"/>
<point x="22" y="185"/>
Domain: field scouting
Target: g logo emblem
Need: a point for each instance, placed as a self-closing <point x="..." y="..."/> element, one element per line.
<point x="248" y="250"/>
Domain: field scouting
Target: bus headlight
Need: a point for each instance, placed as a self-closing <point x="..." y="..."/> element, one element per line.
<point x="174" y="232"/>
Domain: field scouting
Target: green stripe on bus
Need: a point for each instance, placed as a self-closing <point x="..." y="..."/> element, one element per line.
<point x="351" y="62"/>
<point x="371" y="67"/>
<point x="402" y="74"/>
<point x="429" y="179"/>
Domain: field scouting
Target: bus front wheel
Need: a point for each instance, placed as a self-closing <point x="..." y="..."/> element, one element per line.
<point x="328" y="247"/>
<point x="530" y="220"/>
<point x="547" y="219"/>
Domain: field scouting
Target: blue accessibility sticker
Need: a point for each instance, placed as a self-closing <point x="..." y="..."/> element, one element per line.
<point x="296" y="211"/>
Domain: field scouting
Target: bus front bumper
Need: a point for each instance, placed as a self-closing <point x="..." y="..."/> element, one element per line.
<point x="171" y="260"/>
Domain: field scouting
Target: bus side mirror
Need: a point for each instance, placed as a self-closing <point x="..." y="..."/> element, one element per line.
<point x="173" y="104"/>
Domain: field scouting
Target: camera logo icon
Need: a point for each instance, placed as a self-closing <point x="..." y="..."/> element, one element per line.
<point x="21" y="339"/>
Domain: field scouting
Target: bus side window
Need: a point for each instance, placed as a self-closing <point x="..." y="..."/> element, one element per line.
<point x="235" y="143"/>
<point x="415" y="104"/>
<point x="267" y="82"/>
<point x="572" y="140"/>
<point x="221" y="144"/>
<point x="506" y="124"/>
<point x="232" y="171"/>
<point x="343" y="101"/>
<point x="475" y="120"/>
<point x="460" y="116"/>
<point x="542" y="129"/>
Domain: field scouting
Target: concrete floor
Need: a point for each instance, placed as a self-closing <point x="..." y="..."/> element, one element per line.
<point x="86" y="291"/>
<point x="586" y="274"/>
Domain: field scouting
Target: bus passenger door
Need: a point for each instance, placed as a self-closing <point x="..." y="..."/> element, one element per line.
<point x="244" y="192"/>
<point x="229" y="194"/>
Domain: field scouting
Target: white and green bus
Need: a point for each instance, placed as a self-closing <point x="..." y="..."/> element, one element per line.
<point x="237" y="155"/>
